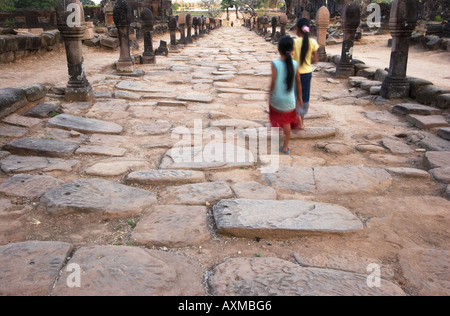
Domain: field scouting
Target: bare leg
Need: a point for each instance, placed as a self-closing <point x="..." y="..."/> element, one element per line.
<point x="302" y="122"/>
<point x="287" y="134"/>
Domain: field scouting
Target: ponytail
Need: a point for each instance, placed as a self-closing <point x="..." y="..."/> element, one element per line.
<point x="304" y="26"/>
<point x="286" y="46"/>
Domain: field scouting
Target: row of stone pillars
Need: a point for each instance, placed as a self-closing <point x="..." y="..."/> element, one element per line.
<point x="403" y="20"/>
<point x="201" y="25"/>
<point x="72" y="26"/>
<point x="261" y="25"/>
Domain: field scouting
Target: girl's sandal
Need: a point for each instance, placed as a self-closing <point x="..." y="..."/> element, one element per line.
<point x="285" y="152"/>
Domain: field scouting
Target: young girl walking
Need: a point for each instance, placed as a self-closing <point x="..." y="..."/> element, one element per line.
<point x="306" y="54"/>
<point x="286" y="91"/>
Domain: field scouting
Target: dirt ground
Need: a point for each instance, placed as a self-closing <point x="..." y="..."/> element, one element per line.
<point x="411" y="213"/>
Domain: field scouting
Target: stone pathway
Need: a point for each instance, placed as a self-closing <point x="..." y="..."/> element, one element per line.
<point x="197" y="215"/>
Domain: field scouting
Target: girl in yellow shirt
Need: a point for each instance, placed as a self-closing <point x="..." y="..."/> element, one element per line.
<point x="306" y="54"/>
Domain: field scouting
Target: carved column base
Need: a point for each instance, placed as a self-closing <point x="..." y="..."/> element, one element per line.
<point x="394" y="88"/>
<point x="322" y="54"/>
<point x="124" y="66"/>
<point x="79" y="94"/>
<point x="345" y="71"/>
<point x="148" y="59"/>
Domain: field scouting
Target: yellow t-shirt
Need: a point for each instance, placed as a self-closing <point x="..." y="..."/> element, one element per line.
<point x="306" y="68"/>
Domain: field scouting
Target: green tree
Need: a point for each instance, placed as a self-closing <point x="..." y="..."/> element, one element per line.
<point x="7" y="5"/>
<point x="227" y="5"/>
<point x="38" y="4"/>
<point x="89" y="3"/>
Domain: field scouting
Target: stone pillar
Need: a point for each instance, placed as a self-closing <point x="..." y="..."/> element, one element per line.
<point x="323" y="20"/>
<point x="403" y="21"/>
<point x="265" y="22"/>
<point x="148" y="57"/>
<point x="274" y="27"/>
<point x="122" y="19"/>
<point x="208" y="25"/>
<point x="283" y="22"/>
<point x="351" y="18"/>
<point x="108" y="10"/>
<point x="173" y="30"/>
<point x="78" y="88"/>
<point x="189" y="28"/>
<point x="195" y="22"/>
<point x="182" y="24"/>
<point x="202" y="26"/>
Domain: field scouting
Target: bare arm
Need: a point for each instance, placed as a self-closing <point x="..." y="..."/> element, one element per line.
<point x="274" y="78"/>
<point x="315" y="58"/>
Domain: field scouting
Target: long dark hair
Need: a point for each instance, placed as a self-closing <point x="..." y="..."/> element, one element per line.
<point x="286" y="46"/>
<point x="304" y="26"/>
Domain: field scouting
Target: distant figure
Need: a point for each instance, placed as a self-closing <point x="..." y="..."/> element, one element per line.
<point x="285" y="91"/>
<point x="232" y="24"/>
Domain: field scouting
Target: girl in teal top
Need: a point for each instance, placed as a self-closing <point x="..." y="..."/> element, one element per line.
<point x="284" y="89"/>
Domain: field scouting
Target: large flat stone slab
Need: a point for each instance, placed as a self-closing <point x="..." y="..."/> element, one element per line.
<point x="436" y="159"/>
<point x="172" y="226"/>
<point x="292" y="178"/>
<point x="41" y="147"/>
<point x="412" y="108"/>
<point x="427" y="121"/>
<point x="273" y="276"/>
<point x="253" y="191"/>
<point x="384" y="117"/>
<point x="29" y="186"/>
<point x="97" y="196"/>
<point x="444" y="133"/>
<point x="441" y="174"/>
<point x="31" y="268"/>
<point x="197" y="194"/>
<point x="116" y="166"/>
<point x="427" y="270"/>
<point x="137" y="86"/>
<point x="166" y="177"/>
<point x="132" y="271"/>
<point x="396" y="146"/>
<point x="20" y="164"/>
<point x="101" y="151"/>
<point x="11" y="100"/>
<point x="281" y="219"/>
<point x="84" y="125"/>
<point x="195" y="97"/>
<point x="214" y="156"/>
<point x="351" y="179"/>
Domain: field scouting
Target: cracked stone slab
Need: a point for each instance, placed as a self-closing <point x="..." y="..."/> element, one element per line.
<point x="436" y="159"/>
<point x="19" y="164"/>
<point x="84" y="125"/>
<point x="116" y="166"/>
<point x="396" y="147"/>
<point x="31" y="268"/>
<point x="281" y="219"/>
<point x="172" y="226"/>
<point x="41" y="147"/>
<point x="254" y="191"/>
<point x="412" y="108"/>
<point x="292" y="178"/>
<point x="166" y="177"/>
<point x="197" y="194"/>
<point x="132" y="271"/>
<point x="235" y="123"/>
<point x="97" y="196"/>
<point x="273" y="276"/>
<point x="30" y="186"/>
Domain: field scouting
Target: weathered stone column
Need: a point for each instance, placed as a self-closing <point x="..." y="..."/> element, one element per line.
<point x="351" y="18"/>
<point x="182" y="24"/>
<point x="72" y="30"/>
<point x="403" y="21"/>
<point x="148" y="57"/>
<point x="265" y="22"/>
<point x="202" y="26"/>
<point x="283" y="22"/>
<point x="189" y="28"/>
<point x="323" y="20"/>
<point x="195" y="22"/>
<point x="208" y="25"/>
<point x="173" y="30"/>
<point x="274" y="27"/>
<point x="122" y="19"/>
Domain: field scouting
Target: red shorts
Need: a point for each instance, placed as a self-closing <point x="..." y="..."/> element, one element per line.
<point x="279" y="118"/>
